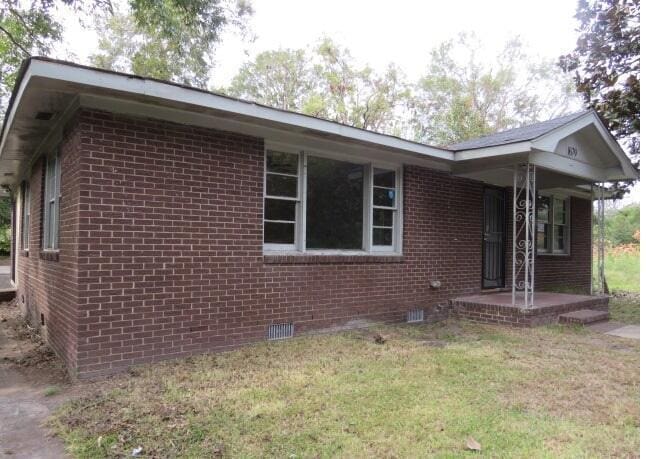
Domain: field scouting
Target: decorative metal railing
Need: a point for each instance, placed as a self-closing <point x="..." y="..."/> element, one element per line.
<point x="523" y="233"/>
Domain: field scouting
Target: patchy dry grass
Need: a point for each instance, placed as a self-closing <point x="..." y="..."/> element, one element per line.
<point x="546" y="392"/>
<point x="624" y="308"/>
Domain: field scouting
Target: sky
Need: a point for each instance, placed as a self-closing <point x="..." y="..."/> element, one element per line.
<point x="379" y="32"/>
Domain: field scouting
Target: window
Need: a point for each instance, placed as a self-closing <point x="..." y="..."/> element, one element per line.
<point x="25" y="214"/>
<point x="314" y="202"/>
<point x="552" y="225"/>
<point x="384" y="205"/>
<point x="51" y="202"/>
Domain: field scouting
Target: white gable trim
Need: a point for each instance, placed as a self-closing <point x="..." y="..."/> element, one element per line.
<point x="550" y="140"/>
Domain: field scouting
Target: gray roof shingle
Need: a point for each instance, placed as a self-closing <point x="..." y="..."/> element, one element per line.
<point x="520" y="134"/>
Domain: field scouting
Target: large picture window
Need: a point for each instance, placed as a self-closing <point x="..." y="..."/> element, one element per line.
<point x="51" y="202"/>
<point x="314" y="202"/>
<point x="552" y="224"/>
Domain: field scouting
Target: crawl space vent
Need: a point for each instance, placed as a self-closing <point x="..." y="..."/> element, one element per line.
<point x="415" y="315"/>
<point x="281" y="331"/>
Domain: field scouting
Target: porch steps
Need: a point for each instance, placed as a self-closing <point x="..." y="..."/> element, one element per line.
<point x="583" y="317"/>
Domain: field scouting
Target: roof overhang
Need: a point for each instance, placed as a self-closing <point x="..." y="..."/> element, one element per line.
<point x="59" y="88"/>
<point x="582" y="148"/>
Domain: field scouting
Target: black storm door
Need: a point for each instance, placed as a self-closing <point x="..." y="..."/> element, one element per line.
<point x="493" y="239"/>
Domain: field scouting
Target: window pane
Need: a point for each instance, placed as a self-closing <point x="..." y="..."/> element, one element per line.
<point x="542" y="237"/>
<point x="543" y="208"/>
<point x="279" y="233"/>
<point x="559" y="211"/>
<point x="285" y="163"/>
<point x="384" y="178"/>
<point x="334" y="204"/>
<point x="278" y="209"/>
<point x="559" y="238"/>
<point x="281" y="185"/>
<point x="382" y="217"/>
<point x="383" y="197"/>
<point x="382" y="236"/>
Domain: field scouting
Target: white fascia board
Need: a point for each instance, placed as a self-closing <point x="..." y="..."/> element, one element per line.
<point x="567" y="166"/>
<point x="550" y="140"/>
<point x="14" y="107"/>
<point x="492" y="152"/>
<point x="163" y="91"/>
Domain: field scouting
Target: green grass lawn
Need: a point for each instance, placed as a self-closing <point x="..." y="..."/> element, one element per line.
<point x="622" y="272"/>
<point x="622" y="276"/>
<point x="543" y="392"/>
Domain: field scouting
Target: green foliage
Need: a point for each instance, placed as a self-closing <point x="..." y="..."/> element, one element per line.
<point x="167" y="39"/>
<point x="606" y="65"/>
<point x="622" y="225"/>
<point x="24" y="31"/>
<point x="5" y="226"/>
<point x="325" y="81"/>
<point x="463" y="95"/>
<point x="280" y="78"/>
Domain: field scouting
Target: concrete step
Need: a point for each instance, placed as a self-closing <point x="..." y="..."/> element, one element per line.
<point x="583" y="317"/>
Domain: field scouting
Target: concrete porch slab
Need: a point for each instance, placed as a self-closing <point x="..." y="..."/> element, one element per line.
<point x="498" y="308"/>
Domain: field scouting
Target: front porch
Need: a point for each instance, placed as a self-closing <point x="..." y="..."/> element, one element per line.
<point x="500" y="308"/>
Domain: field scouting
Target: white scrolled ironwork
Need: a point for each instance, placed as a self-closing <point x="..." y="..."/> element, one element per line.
<point x="523" y="233"/>
<point x="601" y="238"/>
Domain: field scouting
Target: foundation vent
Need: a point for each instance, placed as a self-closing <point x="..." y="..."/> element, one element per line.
<point x="415" y="315"/>
<point x="281" y="331"/>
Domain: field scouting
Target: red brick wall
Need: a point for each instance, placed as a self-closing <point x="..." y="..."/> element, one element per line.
<point x="49" y="286"/>
<point x="170" y="257"/>
<point x="570" y="272"/>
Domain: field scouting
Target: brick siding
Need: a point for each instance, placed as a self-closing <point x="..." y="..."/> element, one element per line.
<point x="571" y="272"/>
<point x="48" y="285"/>
<point x="169" y="258"/>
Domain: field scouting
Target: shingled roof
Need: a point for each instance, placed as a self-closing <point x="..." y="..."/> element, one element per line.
<point x="520" y="134"/>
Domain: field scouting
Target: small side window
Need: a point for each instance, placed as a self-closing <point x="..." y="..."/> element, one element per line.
<point x="51" y="202"/>
<point x="25" y="211"/>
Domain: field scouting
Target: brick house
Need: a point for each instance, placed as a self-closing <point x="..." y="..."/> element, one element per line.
<point x="153" y="220"/>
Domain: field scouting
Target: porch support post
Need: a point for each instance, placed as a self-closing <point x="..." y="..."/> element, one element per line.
<point x="601" y="238"/>
<point x="523" y="234"/>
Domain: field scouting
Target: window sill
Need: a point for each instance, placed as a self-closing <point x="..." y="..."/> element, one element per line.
<point x="49" y="255"/>
<point x="553" y="254"/>
<point x="326" y="259"/>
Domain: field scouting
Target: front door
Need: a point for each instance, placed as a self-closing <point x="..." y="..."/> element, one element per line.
<point x="493" y="239"/>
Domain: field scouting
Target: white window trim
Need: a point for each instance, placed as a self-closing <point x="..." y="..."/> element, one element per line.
<point x="51" y="229"/>
<point x="568" y="226"/>
<point x="299" y="246"/>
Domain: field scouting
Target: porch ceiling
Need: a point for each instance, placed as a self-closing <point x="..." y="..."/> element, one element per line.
<point x="503" y="176"/>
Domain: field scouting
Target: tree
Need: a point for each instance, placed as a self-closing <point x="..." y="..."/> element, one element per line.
<point x="168" y="40"/>
<point x="606" y="63"/>
<point x="325" y="81"/>
<point x="23" y="32"/>
<point x="280" y="78"/>
<point x="622" y="225"/>
<point x="462" y="95"/>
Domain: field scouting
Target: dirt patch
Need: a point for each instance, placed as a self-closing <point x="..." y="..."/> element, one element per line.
<point x="23" y="349"/>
